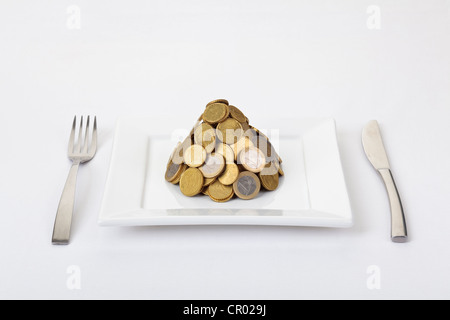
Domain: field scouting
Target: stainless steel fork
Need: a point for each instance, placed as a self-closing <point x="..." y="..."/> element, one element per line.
<point x="83" y="151"/>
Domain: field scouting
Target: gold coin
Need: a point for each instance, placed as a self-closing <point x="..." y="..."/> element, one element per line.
<point x="191" y="183"/>
<point x="243" y="143"/>
<point x="224" y="156"/>
<point x="247" y="186"/>
<point x="237" y="114"/>
<point x="262" y="134"/>
<point x="271" y="153"/>
<point x="270" y="182"/>
<point x="254" y="134"/>
<point x="250" y="133"/>
<point x="214" y="166"/>
<point x="178" y="157"/>
<point x="279" y="168"/>
<point x="224" y="118"/>
<point x="195" y="156"/>
<point x="279" y="159"/>
<point x="230" y="131"/>
<point x="230" y="175"/>
<point x="205" y="191"/>
<point x="215" y="113"/>
<point x="223" y="200"/>
<point x="218" y="191"/>
<point x="252" y="159"/>
<point x="208" y="182"/>
<point x="247" y="130"/>
<point x="269" y="170"/>
<point x="205" y="135"/>
<point x="178" y="177"/>
<point x="226" y="151"/>
<point x="241" y="168"/>
<point x="218" y="101"/>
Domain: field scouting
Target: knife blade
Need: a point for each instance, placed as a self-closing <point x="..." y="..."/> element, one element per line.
<point x="376" y="153"/>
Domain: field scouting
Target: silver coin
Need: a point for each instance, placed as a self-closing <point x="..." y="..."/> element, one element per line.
<point x="247" y="186"/>
<point x="253" y="159"/>
<point x="214" y="166"/>
<point x="173" y="169"/>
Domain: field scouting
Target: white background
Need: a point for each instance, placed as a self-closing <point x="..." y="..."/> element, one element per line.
<point x="299" y="58"/>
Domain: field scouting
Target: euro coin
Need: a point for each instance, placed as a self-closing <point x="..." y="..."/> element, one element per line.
<point x="191" y="182"/>
<point x="179" y="174"/>
<point x="226" y="151"/>
<point x="221" y="200"/>
<point x="178" y="157"/>
<point x="241" y="168"/>
<point x="219" y="192"/>
<point x="243" y="143"/>
<point x="205" y="191"/>
<point x="247" y="186"/>
<point x="237" y="114"/>
<point x="246" y="128"/>
<point x="205" y="135"/>
<point x="195" y="156"/>
<point x="224" y="156"/>
<point x="230" y="175"/>
<point x="224" y="118"/>
<point x="208" y="182"/>
<point x="230" y="131"/>
<point x="215" y="113"/>
<point x="214" y="166"/>
<point x="252" y="159"/>
<point x="218" y="101"/>
<point x="269" y="170"/>
<point x="270" y="182"/>
<point x="172" y="171"/>
<point x="279" y="168"/>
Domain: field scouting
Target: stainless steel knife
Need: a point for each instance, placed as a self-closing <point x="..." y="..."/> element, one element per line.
<point x="376" y="153"/>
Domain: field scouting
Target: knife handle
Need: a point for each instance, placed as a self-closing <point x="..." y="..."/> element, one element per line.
<point x="399" y="229"/>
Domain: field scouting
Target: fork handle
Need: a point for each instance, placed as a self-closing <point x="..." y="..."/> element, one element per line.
<point x="63" y="222"/>
<point x="399" y="229"/>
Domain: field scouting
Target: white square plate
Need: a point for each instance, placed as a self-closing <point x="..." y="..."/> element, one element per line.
<point x="312" y="193"/>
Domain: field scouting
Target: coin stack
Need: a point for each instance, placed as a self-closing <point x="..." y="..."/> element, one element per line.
<point x="224" y="156"/>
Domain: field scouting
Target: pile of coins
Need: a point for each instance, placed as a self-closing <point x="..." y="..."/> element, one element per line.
<point x="224" y="156"/>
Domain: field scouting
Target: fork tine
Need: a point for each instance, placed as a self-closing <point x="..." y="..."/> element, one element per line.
<point x="72" y="136"/>
<point x="93" y="148"/>
<point x="80" y="136"/>
<point x="86" y="136"/>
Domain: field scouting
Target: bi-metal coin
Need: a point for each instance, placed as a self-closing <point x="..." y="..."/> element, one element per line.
<point x="247" y="186"/>
<point x="214" y="166"/>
